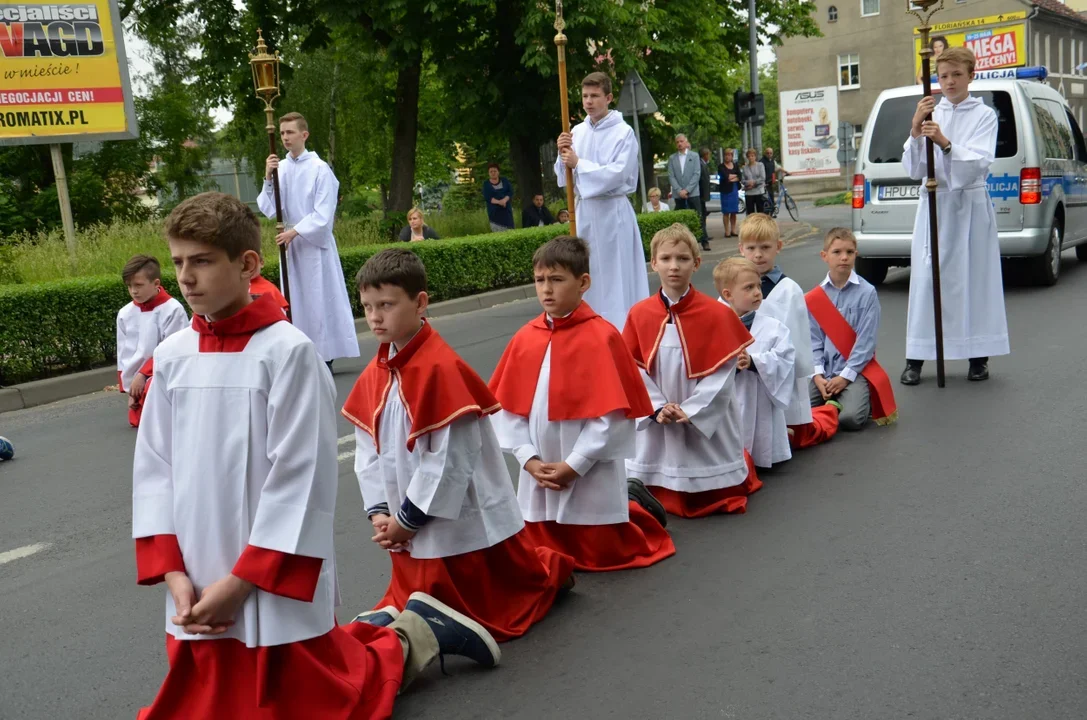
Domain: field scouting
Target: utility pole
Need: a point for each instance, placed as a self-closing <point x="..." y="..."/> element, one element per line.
<point x="753" y="51"/>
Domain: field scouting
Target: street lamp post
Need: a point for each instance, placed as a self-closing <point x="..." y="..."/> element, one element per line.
<point x="265" y="67"/>
<point x="923" y="10"/>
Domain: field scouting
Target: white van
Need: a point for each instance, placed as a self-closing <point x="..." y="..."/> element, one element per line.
<point x="1038" y="181"/>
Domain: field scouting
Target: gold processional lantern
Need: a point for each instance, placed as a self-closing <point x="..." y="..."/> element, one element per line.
<point x="265" y="67"/>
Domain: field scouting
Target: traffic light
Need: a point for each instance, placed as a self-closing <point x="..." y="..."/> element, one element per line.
<point x="749" y="107"/>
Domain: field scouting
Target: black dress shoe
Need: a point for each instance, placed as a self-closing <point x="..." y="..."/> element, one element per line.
<point x="978" y="371"/>
<point x="911" y="376"/>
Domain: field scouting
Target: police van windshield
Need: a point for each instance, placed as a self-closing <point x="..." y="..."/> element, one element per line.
<point x="893" y="126"/>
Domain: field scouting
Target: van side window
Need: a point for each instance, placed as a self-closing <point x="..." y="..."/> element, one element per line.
<point x="1056" y="136"/>
<point x="1077" y="137"/>
<point x="892" y="126"/>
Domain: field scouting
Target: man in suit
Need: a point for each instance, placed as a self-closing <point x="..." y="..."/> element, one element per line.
<point x="684" y="171"/>
<point x="704" y="195"/>
<point x="537" y="213"/>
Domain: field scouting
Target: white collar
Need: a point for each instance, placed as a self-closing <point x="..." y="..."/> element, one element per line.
<point x="853" y="279"/>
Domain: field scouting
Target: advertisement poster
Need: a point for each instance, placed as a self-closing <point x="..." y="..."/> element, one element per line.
<point x="63" y="74"/>
<point x="998" y="41"/>
<point x="809" y="131"/>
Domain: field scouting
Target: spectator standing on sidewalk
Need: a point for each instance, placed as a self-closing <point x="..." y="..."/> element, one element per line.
<point x="704" y="194"/>
<point x="683" y="173"/>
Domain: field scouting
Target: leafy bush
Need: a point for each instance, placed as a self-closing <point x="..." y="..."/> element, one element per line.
<point x="67" y="325"/>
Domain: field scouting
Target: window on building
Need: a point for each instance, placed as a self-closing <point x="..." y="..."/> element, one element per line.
<point x="832" y="14"/>
<point x="849" y="71"/>
<point x="869" y="7"/>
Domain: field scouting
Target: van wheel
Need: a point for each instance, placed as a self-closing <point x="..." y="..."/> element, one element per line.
<point x="874" y="271"/>
<point x="1046" y="268"/>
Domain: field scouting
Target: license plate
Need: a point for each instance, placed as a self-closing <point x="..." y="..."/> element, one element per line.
<point x="899" y="192"/>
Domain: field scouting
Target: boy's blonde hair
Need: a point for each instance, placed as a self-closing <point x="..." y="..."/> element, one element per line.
<point x="839" y="233"/>
<point x="729" y="270"/>
<point x="759" y="226"/>
<point x="959" y="56"/>
<point x="675" y="233"/>
<point x="654" y="192"/>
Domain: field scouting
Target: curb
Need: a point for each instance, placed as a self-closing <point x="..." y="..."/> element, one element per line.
<point x="65" y="387"/>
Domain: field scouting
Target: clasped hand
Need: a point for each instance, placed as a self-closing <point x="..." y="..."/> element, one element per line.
<point x="213" y="612"/>
<point x="672" y="413"/>
<point x="566" y="150"/>
<point x="830" y="388"/>
<point x="389" y="534"/>
<point x="551" y="476"/>
<point x="928" y="128"/>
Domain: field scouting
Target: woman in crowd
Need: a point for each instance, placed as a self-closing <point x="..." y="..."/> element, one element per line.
<point x="729" y="181"/>
<point x="655" y="204"/>
<point x="754" y="176"/>
<point x="416" y="229"/>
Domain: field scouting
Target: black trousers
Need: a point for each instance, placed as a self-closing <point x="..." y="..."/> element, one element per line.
<point x="754" y="204"/>
<point x="688" y="203"/>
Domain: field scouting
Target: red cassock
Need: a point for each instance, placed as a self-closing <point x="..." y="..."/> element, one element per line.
<point x="591" y="376"/>
<point x="710" y="335"/>
<point x="352" y="672"/>
<point x="823" y="426"/>
<point x="506" y="587"/>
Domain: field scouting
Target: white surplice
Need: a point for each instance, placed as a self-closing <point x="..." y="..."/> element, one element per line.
<point x="595" y="448"/>
<point x="785" y="303"/>
<point x="606" y="173"/>
<point x="971" y="286"/>
<point x="237" y="449"/>
<point x="456" y="475"/>
<point x="139" y="333"/>
<point x="764" y="393"/>
<point x="319" y="303"/>
<point x="708" y="453"/>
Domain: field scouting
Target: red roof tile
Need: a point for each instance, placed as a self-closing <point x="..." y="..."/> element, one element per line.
<point x="1059" y="8"/>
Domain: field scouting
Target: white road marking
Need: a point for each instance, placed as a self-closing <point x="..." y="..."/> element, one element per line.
<point x="345" y="455"/>
<point x="25" y="551"/>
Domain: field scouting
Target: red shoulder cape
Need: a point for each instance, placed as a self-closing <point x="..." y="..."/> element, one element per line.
<point x="436" y="387"/>
<point x="592" y="374"/>
<point x="841" y="333"/>
<point x="711" y="333"/>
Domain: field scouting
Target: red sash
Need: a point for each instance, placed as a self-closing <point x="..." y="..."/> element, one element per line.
<point x="841" y="333"/>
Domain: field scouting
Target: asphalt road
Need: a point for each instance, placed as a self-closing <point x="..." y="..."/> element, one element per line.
<point x="933" y="569"/>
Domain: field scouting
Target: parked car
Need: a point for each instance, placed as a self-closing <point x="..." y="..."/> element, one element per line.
<point x="1038" y="181"/>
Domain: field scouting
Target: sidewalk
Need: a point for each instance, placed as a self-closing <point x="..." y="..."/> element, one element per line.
<point x="64" y="387"/>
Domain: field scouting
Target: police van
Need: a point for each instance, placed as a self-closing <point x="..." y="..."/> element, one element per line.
<point x="1038" y="181"/>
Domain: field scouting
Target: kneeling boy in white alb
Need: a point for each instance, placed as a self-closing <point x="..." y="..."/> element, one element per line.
<point x="690" y="450"/>
<point x="765" y="378"/>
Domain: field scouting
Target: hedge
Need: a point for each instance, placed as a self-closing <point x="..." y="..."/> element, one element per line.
<point x="69" y="325"/>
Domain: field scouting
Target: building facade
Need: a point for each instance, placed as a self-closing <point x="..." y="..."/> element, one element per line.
<point x="871" y="45"/>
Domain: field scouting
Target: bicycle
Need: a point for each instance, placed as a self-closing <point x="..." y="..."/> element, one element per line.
<point x="784" y="198"/>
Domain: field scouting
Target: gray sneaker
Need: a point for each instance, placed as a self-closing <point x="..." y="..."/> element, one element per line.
<point x="457" y="633"/>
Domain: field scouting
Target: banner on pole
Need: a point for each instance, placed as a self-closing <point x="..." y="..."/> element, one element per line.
<point x="63" y="75"/>
<point x="809" y="125"/>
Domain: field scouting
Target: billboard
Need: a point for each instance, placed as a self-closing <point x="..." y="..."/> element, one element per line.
<point x="63" y="73"/>
<point x="809" y="131"/>
<point x="998" y="41"/>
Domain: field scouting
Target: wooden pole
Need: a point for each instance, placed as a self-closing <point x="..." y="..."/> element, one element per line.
<point x="283" y="270"/>
<point x="930" y="186"/>
<point x="65" y="203"/>
<point x="564" y="105"/>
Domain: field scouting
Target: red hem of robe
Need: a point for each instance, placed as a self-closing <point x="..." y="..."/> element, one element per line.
<point x="702" y="504"/>
<point x="280" y="573"/>
<point x="823" y="426"/>
<point x="506" y="588"/>
<point x="155" y="556"/>
<point x="352" y="672"/>
<point x="638" y="543"/>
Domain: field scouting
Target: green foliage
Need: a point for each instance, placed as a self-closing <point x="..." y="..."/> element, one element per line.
<point x="842" y="198"/>
<point x="69" y="325"/>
